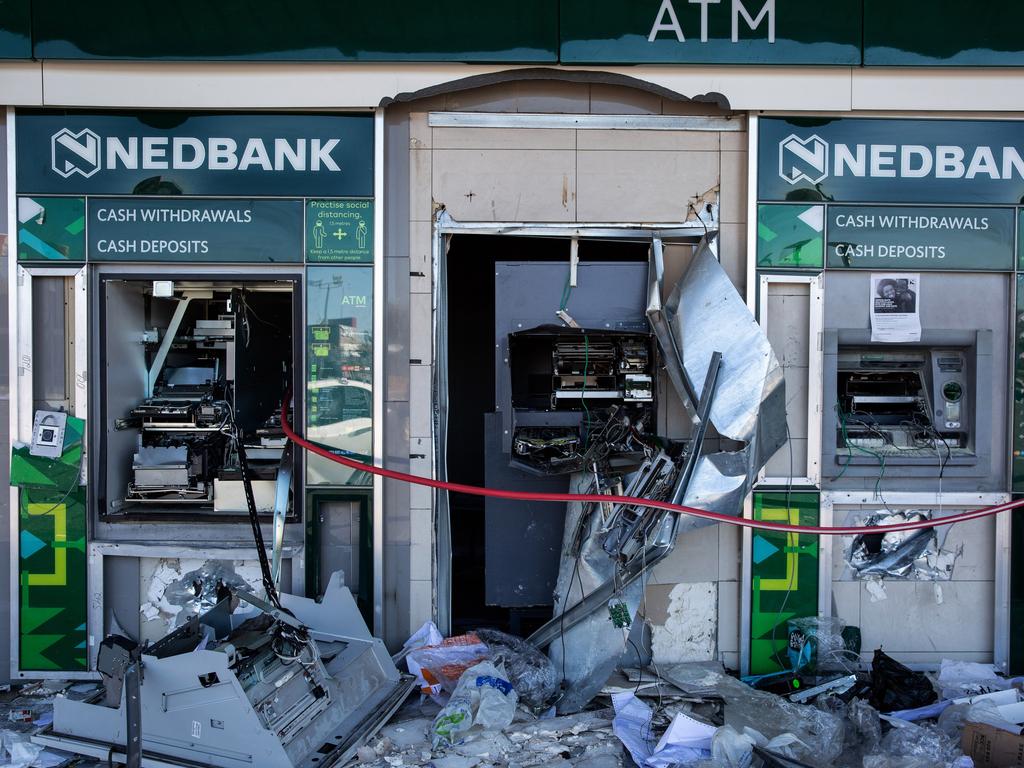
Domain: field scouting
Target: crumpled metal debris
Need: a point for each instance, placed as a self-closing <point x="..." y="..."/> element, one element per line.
<point x="728" y="377"/>
<point x="181" y="588"/>
<point x="705" y="314"/>
<point x="914" y="555"/>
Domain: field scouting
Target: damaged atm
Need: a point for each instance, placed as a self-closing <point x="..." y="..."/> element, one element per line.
<point x="627" y="384"/>
<point x="173" y="544"/>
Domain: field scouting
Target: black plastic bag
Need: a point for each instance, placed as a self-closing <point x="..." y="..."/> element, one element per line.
<point x="895" y="687"/>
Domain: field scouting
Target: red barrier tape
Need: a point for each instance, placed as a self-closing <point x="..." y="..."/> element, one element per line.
<point x="561" y="498"/>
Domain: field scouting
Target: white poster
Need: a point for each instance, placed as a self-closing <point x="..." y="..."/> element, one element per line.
<point x="895" y="307"/>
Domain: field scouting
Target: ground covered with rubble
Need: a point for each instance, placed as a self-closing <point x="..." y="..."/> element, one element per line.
<point x="468" y="713"/>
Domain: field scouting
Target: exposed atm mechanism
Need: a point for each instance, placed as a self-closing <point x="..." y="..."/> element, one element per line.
<point x="906" y="401"/>
<point x="244" y="684"/>
<point x="216" y="359"/>
<point x="577" y="393"/>
<point x="577" y="410"/>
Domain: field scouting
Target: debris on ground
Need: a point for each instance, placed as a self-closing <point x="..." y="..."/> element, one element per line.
<point x="487" y="699"/>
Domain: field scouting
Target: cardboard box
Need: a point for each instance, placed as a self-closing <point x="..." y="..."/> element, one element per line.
<point x="991" y="747"/>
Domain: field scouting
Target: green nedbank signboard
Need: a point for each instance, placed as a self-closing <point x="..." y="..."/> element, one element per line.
<point x="855" y="160"/>
<point x="160" y="153"/>
<point x="158" y="186"/>
<point x="897" y="194"/>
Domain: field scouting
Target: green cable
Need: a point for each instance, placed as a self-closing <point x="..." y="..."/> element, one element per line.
<point x="850" y="449"/>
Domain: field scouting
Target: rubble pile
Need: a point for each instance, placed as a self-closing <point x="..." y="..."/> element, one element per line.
<point x="824" y="712"/>
<point x="489" y="699"/>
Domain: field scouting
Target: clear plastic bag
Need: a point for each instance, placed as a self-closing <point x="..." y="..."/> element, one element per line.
<point x="483" y="698"/>
<point x="865" y="724"/>
<point x="926" y="742"/>
<point x="816" y="642"/>
<point x="531" y="672"/>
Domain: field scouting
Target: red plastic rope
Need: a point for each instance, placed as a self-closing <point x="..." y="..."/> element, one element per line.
<point x="561" y="498"/>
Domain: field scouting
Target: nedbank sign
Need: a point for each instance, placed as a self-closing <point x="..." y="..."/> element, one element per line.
<point x="162" y="153"/>
<point x="898" y="161"/>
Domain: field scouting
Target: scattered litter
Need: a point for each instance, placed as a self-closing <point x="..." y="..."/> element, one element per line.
<point x="817" y="642"/>
<point x="685" y="741"/>
<point x="440" y="666"/>
<point x="967" y="678"/>
<point x="532" y="674"/>
<point x="484" y="697"/>
<point x="924" y="742"/>
<point x="426" y="635"/>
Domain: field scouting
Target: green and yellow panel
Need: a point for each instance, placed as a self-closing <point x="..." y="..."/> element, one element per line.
<point x="784" y="576"/>
<point x="52" y="557"/>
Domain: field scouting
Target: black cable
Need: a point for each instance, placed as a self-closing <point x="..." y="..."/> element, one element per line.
<point x="254" y="521"/>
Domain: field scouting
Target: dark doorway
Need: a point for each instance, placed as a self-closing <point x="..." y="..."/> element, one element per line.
<point x="471" y="264"/>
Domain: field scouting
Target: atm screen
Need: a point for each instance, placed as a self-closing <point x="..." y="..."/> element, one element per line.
<point x="903" y="401"/>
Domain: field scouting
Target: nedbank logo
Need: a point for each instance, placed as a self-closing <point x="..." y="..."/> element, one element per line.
<point x="84" y="152"/>
<point x="803" y="159"/>
<point x="812" y="159"/>
<point x="72" y="153"/>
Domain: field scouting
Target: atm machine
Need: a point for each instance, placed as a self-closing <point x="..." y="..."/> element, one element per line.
<point x="917" y="430"/>
<point x="924" y="407"/>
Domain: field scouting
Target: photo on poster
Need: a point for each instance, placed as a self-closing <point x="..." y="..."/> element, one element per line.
<point x="895" y="307"/>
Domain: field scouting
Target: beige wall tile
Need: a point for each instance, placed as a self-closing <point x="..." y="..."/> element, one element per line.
<point x="796" y="400"/>
<point x="728" y="616"/>
<point x="419" y="400"/>
<point x="420" y="255"/>
<point x="730" y="552"/>
<point x="506" y="185"/>
<point x="666" y="141"/>
<point x="420" y="496"/>
<point x="732" y="253"/>
<point x="910" y="619"/>
<point x="421" y="556"/>
<point x="419" y="131"/>
<point x="734" y="187"/>
<point x="978" y="539"/>
<point x="421" y="341"/>
<point x="788" y="316"/>
<point x="736" y="141"/>
<point x="421" y="604"/>
<point x="694" y="558"/>
<point x="779" y="466"/>
<point x="846" y="599"/>
<point x="504" y="138"/>
<point x="642" y="185"/>
<point x="420" y="201"/>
